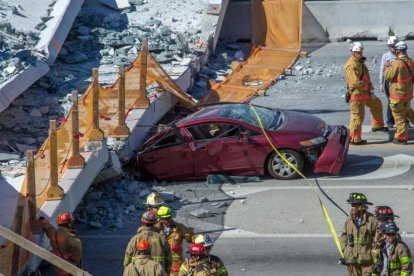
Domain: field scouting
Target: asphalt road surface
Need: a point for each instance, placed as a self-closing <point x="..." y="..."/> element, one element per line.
<point x="277" y="227"/>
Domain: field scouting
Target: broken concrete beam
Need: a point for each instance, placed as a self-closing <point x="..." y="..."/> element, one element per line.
<point x="116" y="4"/>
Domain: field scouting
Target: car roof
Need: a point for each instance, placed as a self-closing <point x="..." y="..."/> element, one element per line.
<point x="212" y="111"/>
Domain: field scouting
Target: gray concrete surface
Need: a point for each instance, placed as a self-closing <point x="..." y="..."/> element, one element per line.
<point x="363" y="18"/>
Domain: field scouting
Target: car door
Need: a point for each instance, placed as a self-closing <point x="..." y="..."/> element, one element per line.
<point x="227" y="148"/>
<point x="170" y="158"/>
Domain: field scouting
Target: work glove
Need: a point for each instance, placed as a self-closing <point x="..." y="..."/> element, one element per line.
<point x="342" y="261"/>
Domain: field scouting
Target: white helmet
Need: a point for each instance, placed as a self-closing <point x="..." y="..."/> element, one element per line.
<point x="203" y="239"/>
<point x="356" y="47"/>
<point x="392" y="40"/>
<point x="401" y="46"/>
<point x="154" y="199"/>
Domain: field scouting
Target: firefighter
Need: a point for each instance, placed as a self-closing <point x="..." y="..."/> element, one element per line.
<point x="358" y="236"/>
<point x="360" y="95"/>
<point x="400" y="75"/>
<point x="175" y="233"/>
<point x="196" y="264"/>
<point x="384" y="87"/>
<point x="143" y="265"/>
<point x="395" y="254"/>
<point x="160" y="250"/>
<point x="215" y="263"/>
<point x="63" y="240"/>
<point x="382" y="213"/>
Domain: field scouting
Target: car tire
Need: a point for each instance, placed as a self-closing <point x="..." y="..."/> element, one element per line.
<point x="279" y="170"/>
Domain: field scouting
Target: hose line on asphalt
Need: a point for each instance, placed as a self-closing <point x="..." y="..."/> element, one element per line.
<point x="324" y="211"/>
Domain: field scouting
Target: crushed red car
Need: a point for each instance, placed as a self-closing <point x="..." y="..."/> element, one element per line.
<point x="227" y="139"/>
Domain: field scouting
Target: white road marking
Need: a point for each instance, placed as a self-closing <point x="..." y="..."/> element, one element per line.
<point x="244" y="191"/>
<point x="390" y="166"/>
<point x="239" y="233"/>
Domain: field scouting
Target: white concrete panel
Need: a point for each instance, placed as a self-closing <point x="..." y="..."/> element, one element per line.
<point x="52" y="38"/>
<point x="12" y="88"/>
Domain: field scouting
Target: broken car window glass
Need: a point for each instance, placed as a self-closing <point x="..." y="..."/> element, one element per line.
<point x="242" y="112"/>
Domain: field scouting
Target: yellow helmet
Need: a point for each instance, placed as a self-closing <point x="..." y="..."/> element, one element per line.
<point x="164" y="212"/>
<point x="154" y="199"/>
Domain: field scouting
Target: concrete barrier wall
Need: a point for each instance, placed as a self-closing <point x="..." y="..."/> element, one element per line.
<point x="333" y="20"/>
<point x="364" y="18"/>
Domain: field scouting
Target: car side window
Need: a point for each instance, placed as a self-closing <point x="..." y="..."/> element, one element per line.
<point x="173" y="138"/>
<point x="217" y="130"/>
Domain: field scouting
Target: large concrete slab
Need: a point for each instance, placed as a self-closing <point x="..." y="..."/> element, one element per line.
<point x="363" y="17"/>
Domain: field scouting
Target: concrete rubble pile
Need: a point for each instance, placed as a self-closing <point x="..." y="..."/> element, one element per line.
<point x="16" y="44"/>
<point x="100" y="37"/>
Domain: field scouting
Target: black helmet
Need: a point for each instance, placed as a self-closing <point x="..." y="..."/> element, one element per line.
<point x="358" y="198"/>
<point x="384" y="212"/>
<point x="389" y="227"/>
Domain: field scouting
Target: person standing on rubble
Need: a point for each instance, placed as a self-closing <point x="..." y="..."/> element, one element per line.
<point x="388" y="57"/>
<point x="360" y="95"/>
<point x="63" y="240"/>
<point x="400" y="74"/>
<point x="175" y="233"/>
<point x="196" y="264"/>
<point x="358" y="236"/>
<point x="143" y="265"/>
<point x="216" y="265"/>
<point x="160" y="249"/>
<point x="395" y="256"/>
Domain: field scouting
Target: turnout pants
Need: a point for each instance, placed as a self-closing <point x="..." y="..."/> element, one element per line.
<point x="358" y="114"/>
<point x="402" y="111"/>
<point x="359" y="270"/>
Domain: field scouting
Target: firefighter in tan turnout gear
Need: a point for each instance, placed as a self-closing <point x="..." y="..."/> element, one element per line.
<point x="382" y="214"/>
<point x="175" y="233"/>
<point x="395" y="256"/>
<point x="400" y="74"/>
<point x="63" y="240"/>
<point x="358" y="236"/>
<point x="160" y="250"/>
<point x="196" y="264"/>
<point x="360" y="95"/>
<point x="143" y="265"/>
<point x="215" y="264"/>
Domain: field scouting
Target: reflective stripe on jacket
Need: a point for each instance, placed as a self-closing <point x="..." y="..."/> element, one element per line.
<point x="400" y="78"/>
<point x="358" y="79"/>
<point x="399" y="259"/>
<point x="363" y="237"/>
<point x="160" y="250"/>
<point x="64" y="244"/>
<point x="178" y="233"/>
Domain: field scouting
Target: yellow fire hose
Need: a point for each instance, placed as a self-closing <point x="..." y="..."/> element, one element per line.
<point x="324" y="211"/>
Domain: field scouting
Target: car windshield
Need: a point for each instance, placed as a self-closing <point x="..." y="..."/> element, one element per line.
<point x="242" y="112"/>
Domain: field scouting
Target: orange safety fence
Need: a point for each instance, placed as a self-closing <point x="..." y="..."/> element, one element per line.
<point x="108" y="121"/>
<point x="277" y="27"/>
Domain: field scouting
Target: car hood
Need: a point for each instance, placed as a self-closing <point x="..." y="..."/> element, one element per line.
<point x="302" y="122"/>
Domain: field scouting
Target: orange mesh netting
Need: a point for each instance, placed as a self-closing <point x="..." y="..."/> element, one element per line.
<point x="108" y="120"/>
<point x="277" y="26"/>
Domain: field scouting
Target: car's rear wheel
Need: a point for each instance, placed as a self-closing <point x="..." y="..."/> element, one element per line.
<point x="278" y="169"/>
